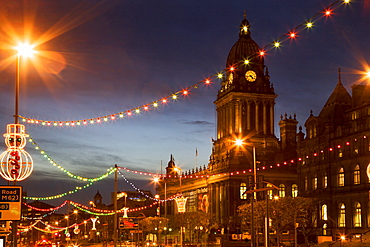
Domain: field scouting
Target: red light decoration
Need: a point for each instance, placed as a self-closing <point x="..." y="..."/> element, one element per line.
<point x="292" y="35"/>
<point x="262" y="53"/>
<point x="328" y="12"/>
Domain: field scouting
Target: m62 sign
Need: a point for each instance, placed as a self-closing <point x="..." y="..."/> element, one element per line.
<point x="10" y="202"/>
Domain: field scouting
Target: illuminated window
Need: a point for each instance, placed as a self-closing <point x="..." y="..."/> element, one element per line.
<point x="269" y="192"/>
<point x="357" y="216"/>
<point x="324" y="229"/>
<point x="324" y="212"/>
<point x="294" y="190"/>
<point x="314" y="183"/>
<point x="281" y="190"/>
<point x="243" y="188"/>
<point x="342" y="215"/>
<point x="341" y="177"/>
<point x="356" y="175"/>
<point x="325" y="181"/>
<point x="354" y="115"/>
<point x="340" y="153"/>
<point x="355" y="147"/>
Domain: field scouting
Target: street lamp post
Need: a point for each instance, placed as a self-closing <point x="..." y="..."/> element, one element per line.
<point x="23" y="50"/>
<point x="156" y="180"/>
<point x="253" y="194"/>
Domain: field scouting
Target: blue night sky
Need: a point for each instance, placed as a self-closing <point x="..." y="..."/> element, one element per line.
<point x="112" y="56"/>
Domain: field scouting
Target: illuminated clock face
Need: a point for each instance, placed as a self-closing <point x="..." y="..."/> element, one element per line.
<point x="250" y="76"/>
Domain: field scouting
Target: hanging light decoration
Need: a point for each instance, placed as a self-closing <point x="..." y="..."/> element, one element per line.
<point x="16" y="164"/>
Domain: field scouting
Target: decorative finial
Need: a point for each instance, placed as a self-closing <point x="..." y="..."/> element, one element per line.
<point x="245" y="14"/>
<point x="339" y="76"/>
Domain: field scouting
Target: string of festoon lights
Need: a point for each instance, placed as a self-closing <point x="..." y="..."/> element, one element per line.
<point x="333" y="148"/>
<point x="70" y="174"/>
<point x="48" y="211"/>
<point x="171" y="198"/>
<point x="275" y="44"/>
<point x="46" y="198"/>
<point x="50" y="228"/>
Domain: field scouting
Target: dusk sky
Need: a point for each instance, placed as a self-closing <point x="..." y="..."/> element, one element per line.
<point x="106" y="57"/>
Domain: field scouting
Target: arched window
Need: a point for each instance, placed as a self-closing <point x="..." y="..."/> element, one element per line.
<point x="341" y="177"/>
<point x="294" y="190"/>
<point x="324" y="212"/>
<point x="281" y="190"/>
<point x="342" y="215"/>
<point x="242" y="189"/>
<point x="356" y="175"/>
<point x="357" y="215"/>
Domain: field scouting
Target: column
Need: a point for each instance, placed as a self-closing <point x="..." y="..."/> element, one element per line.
<point x="264" y="117"/>
<point x="238" y="119"/>
<point x="256" y="116"/>
<point x="248" y="115"/>
<point x="272" y="119"/>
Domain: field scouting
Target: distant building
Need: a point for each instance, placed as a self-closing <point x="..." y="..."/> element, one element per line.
<point x="335" y="164"/>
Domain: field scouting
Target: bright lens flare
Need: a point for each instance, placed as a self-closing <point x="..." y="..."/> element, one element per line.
<point x="25" y="50"/>
<point x="368" y="74"/>
<point x="239" y="142"/>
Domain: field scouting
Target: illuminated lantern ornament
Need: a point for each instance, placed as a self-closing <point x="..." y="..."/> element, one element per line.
<point x="181" y="204"/>
<point x="76" y="230"/>
<point x="125" y="210"/>
<point x="16" y="163"/>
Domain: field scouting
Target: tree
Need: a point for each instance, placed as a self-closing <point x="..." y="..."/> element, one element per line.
<point x="192" y="221"/>
<point x="285" y="214"/>
<point x="153" y="225"/>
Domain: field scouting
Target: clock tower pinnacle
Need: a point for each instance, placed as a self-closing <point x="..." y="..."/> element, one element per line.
<point x="245" y="103"/>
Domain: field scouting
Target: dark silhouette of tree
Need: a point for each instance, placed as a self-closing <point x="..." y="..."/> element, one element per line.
<point x="284" y="213"/>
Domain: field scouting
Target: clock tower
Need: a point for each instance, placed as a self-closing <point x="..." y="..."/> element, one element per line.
<point x="245" y="108"/>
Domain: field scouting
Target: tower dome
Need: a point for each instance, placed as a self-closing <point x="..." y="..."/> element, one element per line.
<point x="245" y="47"/>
